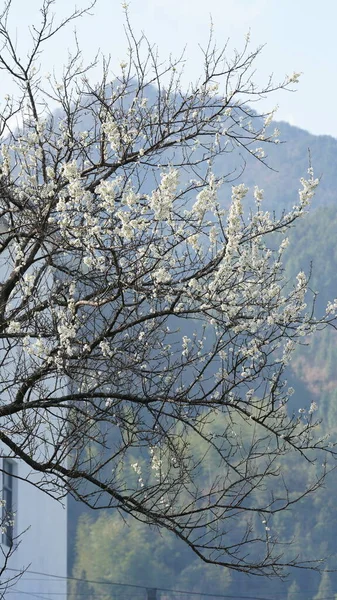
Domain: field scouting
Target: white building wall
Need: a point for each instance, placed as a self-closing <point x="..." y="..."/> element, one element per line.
<point x="43" y="524"/>
<point x="43" y="544"/>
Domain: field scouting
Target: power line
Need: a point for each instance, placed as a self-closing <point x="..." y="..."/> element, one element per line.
<point x="41" y="595"/>
<point x="35" y="594"/>
<point x="145" y="587"/>
<point x="133" y="585"/>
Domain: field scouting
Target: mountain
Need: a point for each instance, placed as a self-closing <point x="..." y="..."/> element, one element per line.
<point x="312" y="374"/>
<point x="288" y="161"/>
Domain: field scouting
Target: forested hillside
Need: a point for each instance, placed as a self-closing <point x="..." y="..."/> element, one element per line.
<point x="104" y="547"/>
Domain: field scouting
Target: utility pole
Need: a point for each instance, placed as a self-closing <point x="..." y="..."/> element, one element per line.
<point x="151" y="593"/>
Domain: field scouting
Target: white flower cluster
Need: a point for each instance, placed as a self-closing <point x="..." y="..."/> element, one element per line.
<point x="105" y="347"/>
<point x="269" y="118"/>
<point x="130" y="198"/>
<point x="67" y="333"/>
<point x="294" y="78"/>
<point x="193" y="241"/>
<point x="308" y="188"/>
<point x="14" y="327"/>
<point x="185" y="345"/>
<point x="205" y="198"/>
<point x="127" y="229"/>
<point x="136" y="467"/>
<point x="107" y="190"/>
<point x="233" y="230"/>
<point x="70" y="170"/>
<point x="156" y="463"/>
<point x="6" y="162"/>
<point x="37" y="348"/>
<point x="258" y="195"/>
<point x="161" y="275"/>
<point x="313" y="408"/>
<point x="119" y="134"/>
<point x="162" y="198"/>
<point x="288" y="350"/>
<point x="27" y="284"/>
<point x="332" y="307"/>
<point x="284" y="244"/>
<point x="112" y="131"/>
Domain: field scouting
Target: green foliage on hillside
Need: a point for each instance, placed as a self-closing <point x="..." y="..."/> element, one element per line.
<point x="109" y="549"/>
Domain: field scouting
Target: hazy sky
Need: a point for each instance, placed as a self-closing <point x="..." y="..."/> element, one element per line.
<point x="300" y="35"/>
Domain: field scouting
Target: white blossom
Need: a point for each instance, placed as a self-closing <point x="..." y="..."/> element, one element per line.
<point x="70" y="170"/>
<point x="205" y="198"/>
<point x="313" y="408"/>
<point x="161" y="275"/>
<point x="294" y="78"/>
<point x="112" y="131"/>
<point x="258" y="194"/>
<point x="162" y="198"/>
<point x="108" y="189"/>
<point x="14" y="327"/>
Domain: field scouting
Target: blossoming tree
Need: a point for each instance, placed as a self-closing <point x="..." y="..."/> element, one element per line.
<point x="143" y="300"/>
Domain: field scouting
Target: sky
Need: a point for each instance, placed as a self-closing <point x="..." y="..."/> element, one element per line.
<point x="298" y="35"/>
